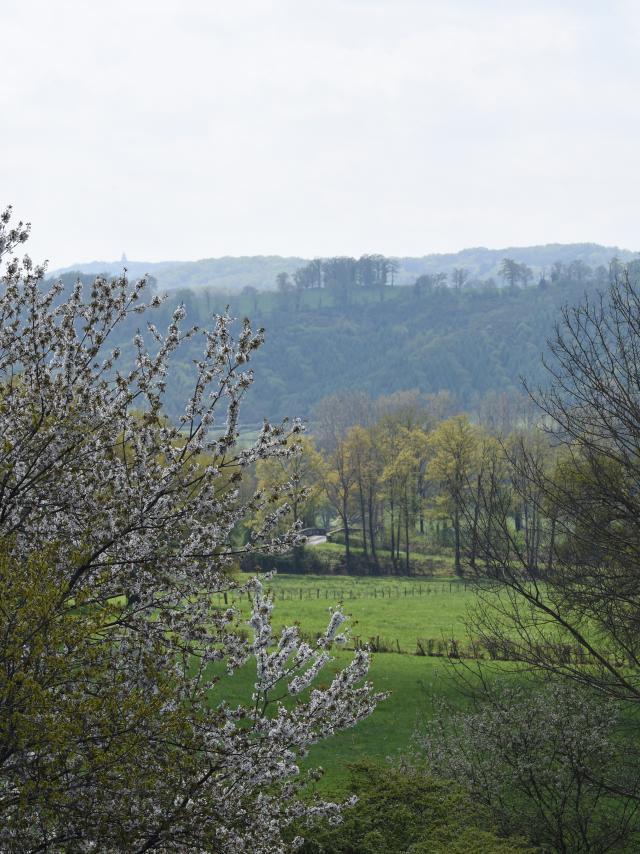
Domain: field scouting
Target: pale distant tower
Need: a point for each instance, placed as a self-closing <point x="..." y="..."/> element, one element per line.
<point x="123" y="260"/>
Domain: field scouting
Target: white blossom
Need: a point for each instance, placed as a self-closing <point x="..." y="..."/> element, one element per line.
<point x="90" y="467"/>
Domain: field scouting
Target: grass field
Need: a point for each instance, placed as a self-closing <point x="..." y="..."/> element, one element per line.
<point x="397" y="608"/>
<point x="413" y="684"/>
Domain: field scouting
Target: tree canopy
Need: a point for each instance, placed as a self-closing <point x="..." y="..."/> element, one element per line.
<point x="115" y="531"/>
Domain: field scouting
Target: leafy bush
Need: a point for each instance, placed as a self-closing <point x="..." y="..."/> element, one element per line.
<point x="401" y="810"/>
<point x="547" y="763"/>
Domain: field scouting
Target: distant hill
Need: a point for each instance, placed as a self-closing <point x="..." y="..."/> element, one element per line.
<point x="220" y="274"/>
<point x="231" y="274"/>
<point x="474" y="341"/>
<point x="484" y="263"/>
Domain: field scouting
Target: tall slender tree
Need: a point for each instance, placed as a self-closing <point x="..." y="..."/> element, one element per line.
<point x="453" y="445"/>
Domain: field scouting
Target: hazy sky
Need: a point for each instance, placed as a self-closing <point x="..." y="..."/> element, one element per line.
<point x="201" y="128"/>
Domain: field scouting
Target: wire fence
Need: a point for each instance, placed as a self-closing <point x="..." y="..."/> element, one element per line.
<point x="442" y="647"/>
<point x="343" y="594"/>
<point x="457" y="649"/>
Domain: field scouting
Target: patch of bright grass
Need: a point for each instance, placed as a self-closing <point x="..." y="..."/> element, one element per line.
<point x="394" y="610"/>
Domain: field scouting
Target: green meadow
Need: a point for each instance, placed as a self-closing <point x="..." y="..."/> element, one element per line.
<point x="413" y="684"/>
<point x="395" y="611"/>
<point x="399" y="610"/>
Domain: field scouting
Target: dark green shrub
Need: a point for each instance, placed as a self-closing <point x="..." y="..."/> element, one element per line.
<point x="403" y="811"/>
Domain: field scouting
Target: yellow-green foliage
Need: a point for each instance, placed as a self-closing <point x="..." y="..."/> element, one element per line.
<point x="65" y="708"/>
<point x="303" y="472"/>
<point x="404" y="811"/>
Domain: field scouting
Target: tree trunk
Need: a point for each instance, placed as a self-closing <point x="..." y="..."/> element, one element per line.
<point x="456" y="534"/>
<point x="420" y="493"/>
<point x="406" y="539"/>
<point x="363" y="516"/>
<point x="517" y="518"/>
<point x="474" y="529"/>
<point x="347" y="544"/>
<point x="552" y="542"/>
<point x="393" y="535"/>
<point x="372" y="536"/>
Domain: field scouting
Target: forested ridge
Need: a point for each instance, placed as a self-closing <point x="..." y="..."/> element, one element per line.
<point x="469" y="340"/>
<point x="232" y="273"/>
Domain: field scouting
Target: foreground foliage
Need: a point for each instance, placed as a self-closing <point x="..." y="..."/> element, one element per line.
<point x="548" y="763"/>
<point x="582" y="588"/>
<point x="403" y="811"/>
<point x="115" y="535"/>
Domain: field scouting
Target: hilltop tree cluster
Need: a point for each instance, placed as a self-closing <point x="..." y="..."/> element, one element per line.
<point x="341" y="274"/>
<point x="515" y="273"/>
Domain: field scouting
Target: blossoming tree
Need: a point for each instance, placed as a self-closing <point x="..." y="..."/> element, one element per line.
<point x="115" y="534"/>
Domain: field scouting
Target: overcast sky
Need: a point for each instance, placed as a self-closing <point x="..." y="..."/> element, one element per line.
<point x="199" y="128"/>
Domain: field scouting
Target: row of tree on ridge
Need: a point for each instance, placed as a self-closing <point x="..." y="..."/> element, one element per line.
<point x="344" y="273"/>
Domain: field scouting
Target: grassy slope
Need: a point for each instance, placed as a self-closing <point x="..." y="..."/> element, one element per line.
<point x="413" y="682"/>
<point x="392" y="608"/>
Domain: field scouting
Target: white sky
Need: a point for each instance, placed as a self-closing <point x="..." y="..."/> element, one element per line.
<point x="182" y="130"/>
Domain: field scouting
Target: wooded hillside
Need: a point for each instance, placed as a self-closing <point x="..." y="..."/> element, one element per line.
<point x="469" y="341"/>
